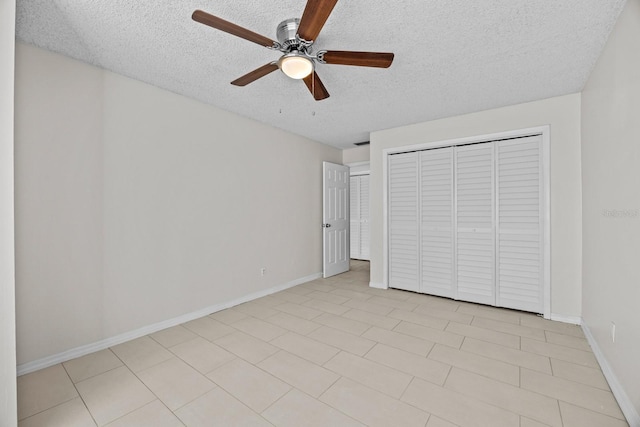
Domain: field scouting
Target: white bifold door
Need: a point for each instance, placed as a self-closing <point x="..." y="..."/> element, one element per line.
<point x="359" y="196"/>
<point x="437" y="222"/>
<point x="466" y="222"/>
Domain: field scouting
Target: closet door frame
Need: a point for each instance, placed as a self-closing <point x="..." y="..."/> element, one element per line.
<point x="544" y="131"/>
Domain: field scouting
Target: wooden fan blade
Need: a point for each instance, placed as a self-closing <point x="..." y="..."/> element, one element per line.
<point x="226" y="26"/>
<point x="313" y="18"/>
<point x="316" y="87"/>
<point x="361" y="59"/>
<point x="255" y="74"/>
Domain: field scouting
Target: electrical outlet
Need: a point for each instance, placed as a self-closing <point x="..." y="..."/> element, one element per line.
<point x="613" y="332"/>
<point x="263" y="271"/>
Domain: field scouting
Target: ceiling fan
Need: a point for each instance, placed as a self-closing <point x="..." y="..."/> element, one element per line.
<point x="295" y="40"/>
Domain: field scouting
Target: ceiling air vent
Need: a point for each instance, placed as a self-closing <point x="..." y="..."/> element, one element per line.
<point x="361" y="143"/>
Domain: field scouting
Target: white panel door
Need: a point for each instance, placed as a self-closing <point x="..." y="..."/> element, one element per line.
<point x="436" y="222"/>
<point x="365" y="252"/>
<point x="519" y="239"/>
<point x="404" y="250"/>
<point x="354" y="205"/>
<point x="475" y="232"/>
<point x="335" y="235"/>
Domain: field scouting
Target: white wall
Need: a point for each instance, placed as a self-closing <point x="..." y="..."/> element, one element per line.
<point x="356" y="154"/>
<point x="563" y="116"/>
<point x="8" y="412"/>
<point x="137" y="205"/>
<point x="59" y="200"/>
<point x="611" y="181"/>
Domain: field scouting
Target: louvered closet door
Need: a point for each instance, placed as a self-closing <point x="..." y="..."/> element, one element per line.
<point x="519" y="224"/>
<point x="354" y="222"/>
<point x="365" y="235"/>
<point x="475" y="223"/>
<point x="436" y="216"/>
<point x="403" y="221"/>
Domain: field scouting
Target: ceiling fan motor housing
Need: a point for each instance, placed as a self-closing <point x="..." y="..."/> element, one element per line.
<point x="287" y="34"/>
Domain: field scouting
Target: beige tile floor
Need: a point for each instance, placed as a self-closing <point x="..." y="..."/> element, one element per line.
<point x="334" y="352"/>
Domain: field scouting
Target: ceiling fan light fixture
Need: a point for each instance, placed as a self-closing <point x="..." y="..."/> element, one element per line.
<point x="295" y="66"/>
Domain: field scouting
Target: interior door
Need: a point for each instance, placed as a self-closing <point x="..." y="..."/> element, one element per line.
<point x="335" y="219"/>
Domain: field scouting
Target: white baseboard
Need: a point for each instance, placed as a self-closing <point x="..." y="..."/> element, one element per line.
<point x="378" y="285"/>
<point x="626" y="405"/>
<point x="574" y="320"/>
<point x="83" y="350"/>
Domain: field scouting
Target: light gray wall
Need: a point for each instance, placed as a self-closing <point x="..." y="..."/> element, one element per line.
<point x="137" y="205"/>
<point x="563" y="116"/>
<point x="611" y="182"/>
<point x="356" y="154"/>
<point x="8" y="412"/>
<point x="59" y="198"/>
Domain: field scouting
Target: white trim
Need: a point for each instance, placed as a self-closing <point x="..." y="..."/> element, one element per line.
<point x="467" y="140"/>
<point x="546" y="221"/>
<point x="83" y="350"/>
<point x="356" y="164"/>
<point x="359" y="168"/>
<point x="545" y="131"/>
<point x="385" y="218"/>
<point x="378" y="285"/>
<point x="625" y="402"/>
<point x="574" y="320"/>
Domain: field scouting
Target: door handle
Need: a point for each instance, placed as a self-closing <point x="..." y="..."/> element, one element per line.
<point x="326" y="225"/>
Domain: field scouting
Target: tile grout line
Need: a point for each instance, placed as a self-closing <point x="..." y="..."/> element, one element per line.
<point x="62" y="403"/>
<point x="145" y="385"/>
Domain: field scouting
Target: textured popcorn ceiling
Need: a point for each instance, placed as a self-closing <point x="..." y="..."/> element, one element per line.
<point x="451" y="56"/>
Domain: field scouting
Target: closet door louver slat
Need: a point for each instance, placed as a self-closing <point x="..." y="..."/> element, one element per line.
<point x="403" y="222"/>
<point x="364" y="218"/>
<point x="519" y="224"/>
<point x="436" y="217"/>
<point x="474" y="223"/>
<point x="354" y="222"/>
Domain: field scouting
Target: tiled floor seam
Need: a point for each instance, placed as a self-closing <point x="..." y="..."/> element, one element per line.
<point x="152" y="392"/>
<point x="365" y="331"/>
<point x="57" y="405"/>
<point x="230" y="394"/>
<point x="135" y="375"/>
<point x="505" y="409"/>
<point x="93" y="376"/>
<point x="317" y="399"/>
<point x="294" y="387"/>
<point x="78" y="391"/>
<point x="434" y="346"/>
<point x="401" y="399"/>
<point x="560" y="411"/>
<point x="413" y="377"/>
